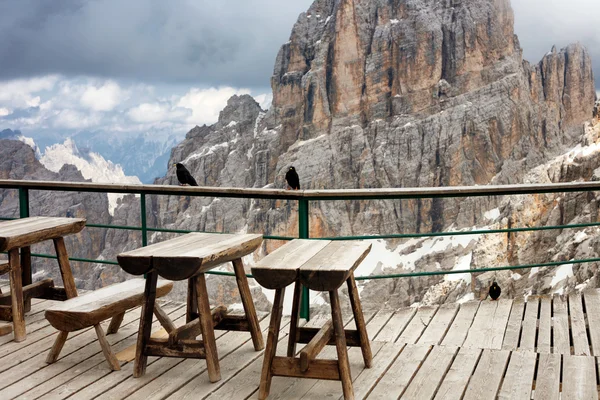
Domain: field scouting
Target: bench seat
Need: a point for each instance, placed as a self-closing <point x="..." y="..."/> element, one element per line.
<point x="94" y="307"/>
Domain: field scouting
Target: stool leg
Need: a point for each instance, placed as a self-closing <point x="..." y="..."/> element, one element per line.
<point x="65" y="268"/>
<point x="26" y="273"/>
<point x="359" y="318"/>
<point x="273" y="337"/>
<point x="57" y="347"/>
<point x="208" y="330"/>
<point x="115" y="323"/>
<point x="141" y="359"/>
<point x="16" y="295"/>
<point x="163" y="318"/>
<point x="291" y="349"/>
<point x="108" y="353"/>
<point x="340" y="344"/>
<point x="242" y="282"/>
<point x="192" y="301"/>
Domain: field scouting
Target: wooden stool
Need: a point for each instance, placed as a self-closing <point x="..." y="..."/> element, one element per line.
<point x="320" y="265"/>
<point x="16" y="237"/>
<point x="94" y="307"/>
<point x="189" y="257"/>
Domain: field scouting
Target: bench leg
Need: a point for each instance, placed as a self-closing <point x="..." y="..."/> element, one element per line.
<point x="266" y="376"/>
<point x="163" y="318"/>
<point x="108" y="353"/>
<point x="192" y="301"/>
<point x="57" y="347"/>
<point x="115" y="323"/>
<point x="340" y="344"/>
<point x="141" y="359"/>
<point x="291" y="349"/>
<point x="65" y="268"/>
<point x="359" y="318"/>
<point x="242" y="282"/>
<point x="16" y="294"/>
<point x="26" y="274"/>
<point x="208" y="330"/>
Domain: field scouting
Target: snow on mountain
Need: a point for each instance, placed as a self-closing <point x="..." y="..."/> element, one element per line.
<point x="92" y="166"/>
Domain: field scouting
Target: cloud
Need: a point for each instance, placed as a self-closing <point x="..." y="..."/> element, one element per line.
<point x="103" y="98"/>
<point x="21" y="93"/>
<point x="157" y="112"/>
<point x="206" y="104"/>
<point x="201" y="42"/>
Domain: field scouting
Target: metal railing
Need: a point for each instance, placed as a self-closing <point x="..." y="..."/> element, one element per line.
<point x="303" y="197"/>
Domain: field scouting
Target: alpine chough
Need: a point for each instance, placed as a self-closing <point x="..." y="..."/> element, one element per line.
<point x="291" y="176"/>
<point x="184" y="176"/>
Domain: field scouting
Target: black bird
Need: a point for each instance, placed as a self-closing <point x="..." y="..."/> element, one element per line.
<point x="495" y="291"/>
<point x="292" y="178"/>
<point x="184" y="176"/>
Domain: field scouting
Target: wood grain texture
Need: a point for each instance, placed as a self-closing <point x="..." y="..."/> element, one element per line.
<point x="547" y="384"/>
<point x="266" y="375"/>
<point x="248" y="303"/>
<point x="340" y="345"/>
<point x="295" y="318"/>
<point x="513" y="327"/>
<point x="530" y="323"/>
<point x="189" y="255"/>
<point x="592" y="306"/>
<point x="458" y="376"/>
<point x="430" y="375"/>
<point x="314" y="347"/>
<point x="65" y="267"/>
<point x="518" y="382"/>
<point x="396" y="325"/>
<point x="59" y="342"/>
<point x="115" y="323"/>
<point x="579" y="378"/>
<point x="544" y="343"/>
<point x="208" y="331"/>
<point x="485" y="382"/>
<point x="93" y="307"/>
<point x="27" y="231"/>
<point x="16" y="289"/>
<point x="580" y="340"/>
<point x="457" y="333"/>
<point x="141" y="358"/>
<point x="359" y="320"/>
<point x="560" y="326"/>
<point x="489" y="325"/>
<point x="418" y="324"/>
<point x="106" y="350"/>
<point x="439" y="325"/>
<point x="27" y="274"/>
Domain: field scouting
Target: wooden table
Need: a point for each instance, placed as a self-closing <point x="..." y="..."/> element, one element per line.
<point x="20" y="234"/>
<point x="320" y="265"/>
<point x="189" y="257"/>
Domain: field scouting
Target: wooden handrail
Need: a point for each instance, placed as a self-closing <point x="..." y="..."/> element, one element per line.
<point x="331" y="194"/>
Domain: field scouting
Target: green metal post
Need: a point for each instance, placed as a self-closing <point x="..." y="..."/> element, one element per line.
<point x="303" y="233"/>
<point x="143" y="219"/>
<point x="23" y="202"/>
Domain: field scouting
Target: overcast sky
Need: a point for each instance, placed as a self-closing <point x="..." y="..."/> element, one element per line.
<point x="132" y="64"/>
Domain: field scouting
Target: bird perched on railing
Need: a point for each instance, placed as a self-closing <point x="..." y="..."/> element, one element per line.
<point x="495" y="291"/>
<point x="184" y="177"/>
<point x="292" y="178"/>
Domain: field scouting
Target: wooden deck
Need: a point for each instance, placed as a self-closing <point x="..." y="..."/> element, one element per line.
<point x="540" y="349"/>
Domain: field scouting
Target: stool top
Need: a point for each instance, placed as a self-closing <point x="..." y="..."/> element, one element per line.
<point x="322" y="265"/>
<point x="188" y="255"/>
<point x="27" y="231"/>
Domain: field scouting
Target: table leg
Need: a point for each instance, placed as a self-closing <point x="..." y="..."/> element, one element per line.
<point x="16" y="291"/>
<point x="291" y="350"/>
<point x="27" y="278"/>
<point x="192" y="301"/>
<point x="141" y="359"/>
<point x="340" y="344"/>
<point x="359" y="318"/>
<point x="65" y="267"/>
<point x="242" y="282"/>
<point x="208" y="330"/>
<point x="274" y="325"/>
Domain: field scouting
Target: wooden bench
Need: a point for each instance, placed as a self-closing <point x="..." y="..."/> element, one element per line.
<point x="5" y="328"/>
<point x="320" y="265"/>
<point x="189" y="257"/>
<point x="94" y="307"/>
<point x="17" y="236"/>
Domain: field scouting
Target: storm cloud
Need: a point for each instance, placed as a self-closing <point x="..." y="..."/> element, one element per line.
<point x="211" y="43"/>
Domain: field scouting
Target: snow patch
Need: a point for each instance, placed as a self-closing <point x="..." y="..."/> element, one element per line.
<point x="563" y="272"/>
<point x="232" y="123"/>
<point x="394" y="21"/>
<point x="467" y="297"/>
<point x="304" y="142"/>
<point x="492" y="214"/>
<point x="327" y="19"/>
<point x="462" y="264"/>
<point x="92" y="166"/>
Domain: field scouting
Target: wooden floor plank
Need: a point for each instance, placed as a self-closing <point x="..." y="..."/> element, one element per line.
<point x="518" y="381"/>
<point x="578" y="330"/>
<point x="369" y="377"/>
<point x="547" y="384"/>
<point x="488" y="374"/>
<point x="462" y="323"/>
<point x="92" y="370"/>
<point x="489" y="325"/>
<point x="81" y="348"/>
<point x="544" y="343"/>
<point x="560" y="326"/>
<point x="579" y="378"/>
<point x="417" y="325"/>
<point x="439" y="325"/>
<point x="396" y="325"/>
<point x="378" y="322"/>
<point x="400" y="374"/>
<point x="456" y="380"/>
<point x="513" y="327"/>
<point x="530" y="324"/>
<point x="425" y="384"/>
<point x="592" y="306"/>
